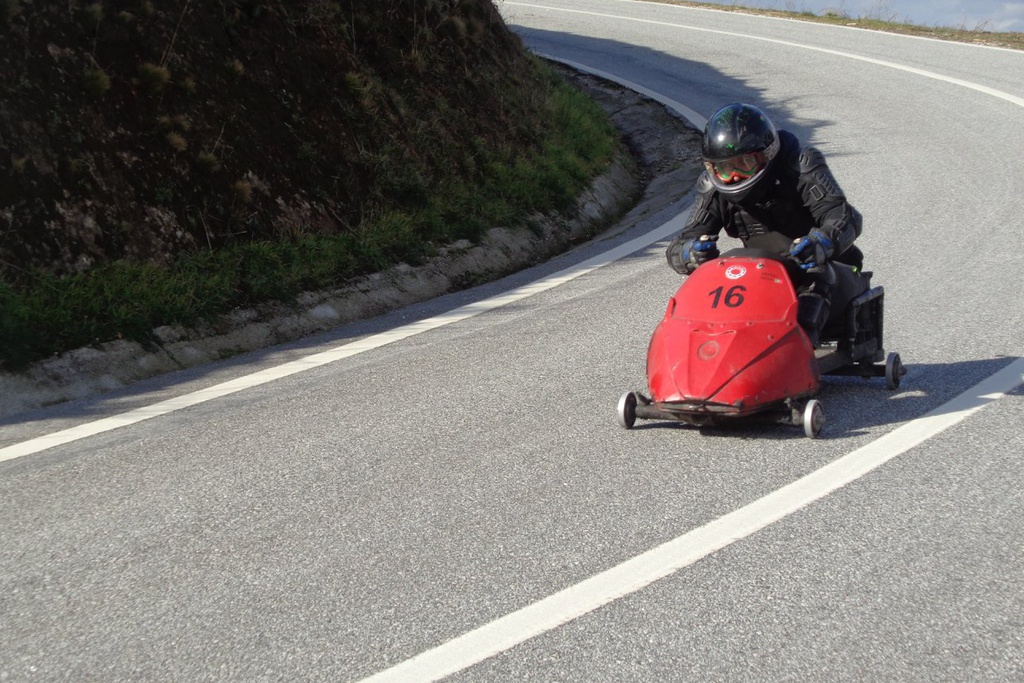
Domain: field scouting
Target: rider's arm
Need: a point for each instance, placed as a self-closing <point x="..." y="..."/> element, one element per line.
<point x="704" y="219"/>
<point x="836" y="218"/>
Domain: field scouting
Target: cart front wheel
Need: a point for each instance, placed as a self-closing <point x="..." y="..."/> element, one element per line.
<point x="627" y="410"/>
<point x="814" y="419"/>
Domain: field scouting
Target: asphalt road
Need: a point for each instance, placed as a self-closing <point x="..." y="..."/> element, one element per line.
<point x="336" y="522"/>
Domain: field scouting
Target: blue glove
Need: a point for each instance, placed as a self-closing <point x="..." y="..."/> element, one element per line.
<point x="813" y="250"/>
<point x="699" y="250"/>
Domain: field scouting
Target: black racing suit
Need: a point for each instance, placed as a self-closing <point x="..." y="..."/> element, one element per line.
<point x="797" y="193"/>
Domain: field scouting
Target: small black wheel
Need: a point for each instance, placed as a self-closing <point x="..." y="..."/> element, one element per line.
<point x="814" y="419"/>
<point x="894" y="370"/>
<point x="627" y="410"/>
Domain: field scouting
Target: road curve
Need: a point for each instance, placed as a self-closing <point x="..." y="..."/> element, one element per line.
<point x="335" y="523"/>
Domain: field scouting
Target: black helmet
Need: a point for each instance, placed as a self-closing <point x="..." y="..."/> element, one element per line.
<point x="738" y="146"/>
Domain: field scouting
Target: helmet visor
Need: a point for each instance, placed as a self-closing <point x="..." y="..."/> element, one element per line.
<point x="739" y="168"/>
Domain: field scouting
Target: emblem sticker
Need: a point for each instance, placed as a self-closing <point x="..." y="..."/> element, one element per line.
<point x="735" y="272"/>
<point x="708" y="350"/>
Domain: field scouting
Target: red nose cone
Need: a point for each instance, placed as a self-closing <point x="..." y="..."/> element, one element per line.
<point x="730" y="337"/>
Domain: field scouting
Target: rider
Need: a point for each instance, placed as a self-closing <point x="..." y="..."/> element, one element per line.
<point x="761" y="186"/>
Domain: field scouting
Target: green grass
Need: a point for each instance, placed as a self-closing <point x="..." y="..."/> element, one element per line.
<point x="44" y="314"/>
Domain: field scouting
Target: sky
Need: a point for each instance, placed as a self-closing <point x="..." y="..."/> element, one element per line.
<point x="982" y="15"/>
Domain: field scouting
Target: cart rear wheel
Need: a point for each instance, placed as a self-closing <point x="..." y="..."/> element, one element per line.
<point x="627" y="410"/>
<point x="893" y="371"/>
<point x="814" y="419"/>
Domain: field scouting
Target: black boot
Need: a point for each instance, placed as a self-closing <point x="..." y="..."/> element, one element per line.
<point x="812" y="314"/>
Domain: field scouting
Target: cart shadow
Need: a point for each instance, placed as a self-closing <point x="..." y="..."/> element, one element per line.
<point x="853" y="406"/>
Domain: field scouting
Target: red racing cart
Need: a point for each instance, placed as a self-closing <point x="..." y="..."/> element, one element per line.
<point x="729" y="349"/>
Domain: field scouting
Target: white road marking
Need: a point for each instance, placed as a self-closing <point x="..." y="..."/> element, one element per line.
<point x="641" y="571"/>
<point x="1013" y="99"/>
<point x="376" y="341"/>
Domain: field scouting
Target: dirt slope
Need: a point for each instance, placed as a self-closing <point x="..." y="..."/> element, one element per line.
<point x="132" y="129"/>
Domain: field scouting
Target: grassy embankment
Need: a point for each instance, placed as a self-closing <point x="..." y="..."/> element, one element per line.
<point x="397" y="128"/>
<point x="47" y="312"/>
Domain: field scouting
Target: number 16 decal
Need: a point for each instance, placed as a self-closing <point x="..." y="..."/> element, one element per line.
<point x="733" y="298"/>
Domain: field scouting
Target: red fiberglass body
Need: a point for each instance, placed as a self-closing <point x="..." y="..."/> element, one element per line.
<point x="729" y="343"/>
